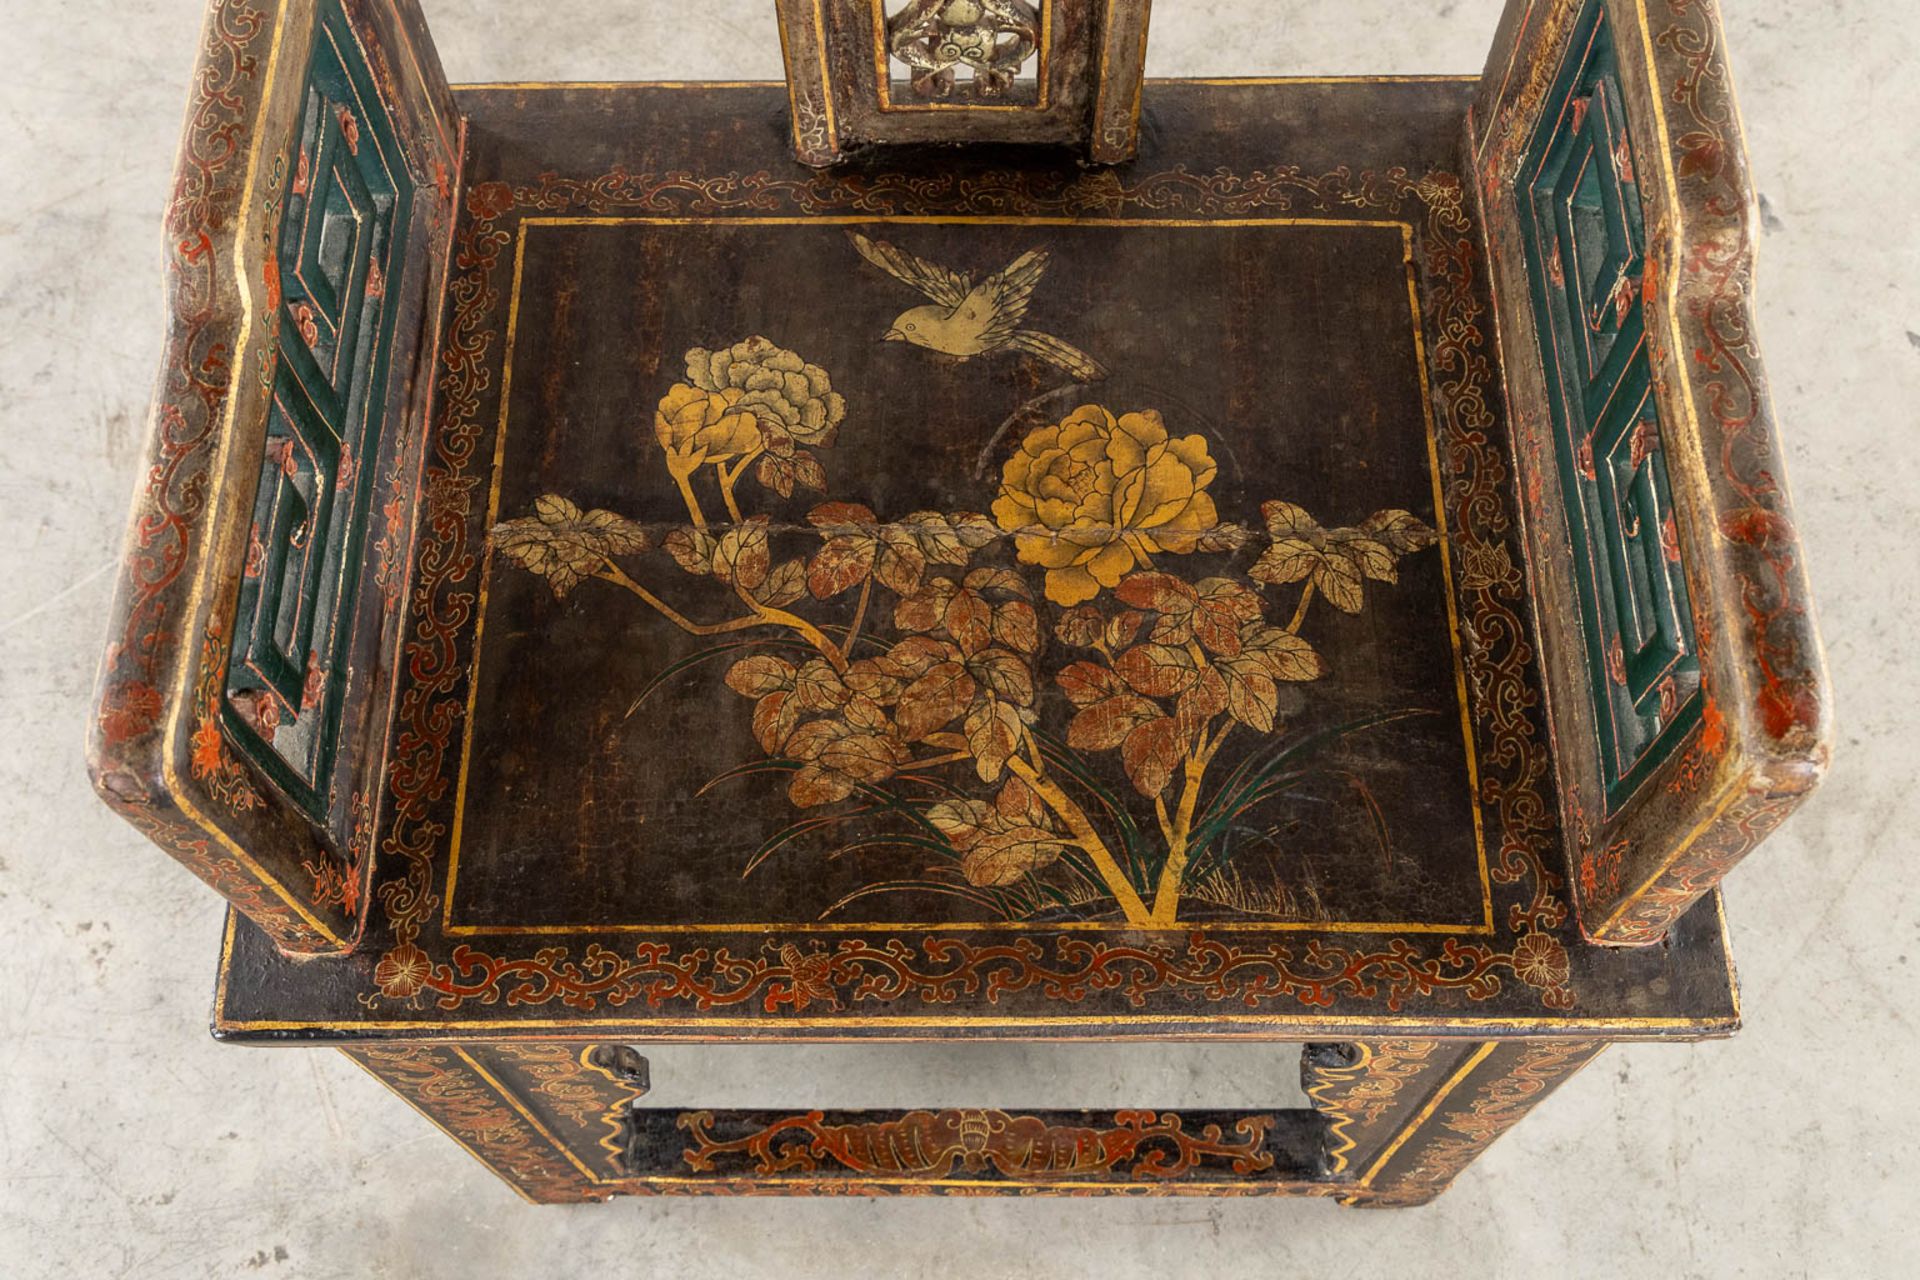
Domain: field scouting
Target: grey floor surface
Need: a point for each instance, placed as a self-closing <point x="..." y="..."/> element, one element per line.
<point x="131" y="1145"/>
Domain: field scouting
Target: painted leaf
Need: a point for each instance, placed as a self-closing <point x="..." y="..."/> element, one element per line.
<point x="784" y="585"/>
<point x="1173" y="628"/>
<point x="774" y="718"/>
<point x="925" y="609"/>
<point x="1157" y="670"/>
<point x="993" y="732"/>
<point x="1123" y="627"/>
<point x="564" y="544"/>
<point x="1004" y="673"/>
<point x="555" y="510"/>
<point x="932" y="702"/>
<point x="992" y="579"/>
<point x="1150" y="754"/>
<point x="777" y="472"/>
<point x="842" y="517"/>
<point x="777" y="438"/>
<point x="837" y="756"/>
<point x="1086" y="683"/>
<point x="1252" y="696"/>
<point x="1279" y="653"/>
<point x="1203" y="700"/>
<point x="901" y="562"/>
<point x="1019" y="803"/>
<point x="865" y="713"/>
<point x="535" y="546"/>
<point x="813" y="785"/>
<point x="692" y="549"/>
<point x="1225" y="606"/>
<point x="615" y="534"/>
<point x="969" y="621"/>
<point x="960" y="821"/>
<point x="1106" y="724"/>
<point x="819" y="686"/>
<point x="1289" y="559"/>
<point x="808" y="473"/>
<point x="1339" y="580"/>
<point x="1160" y="592"/>
<point x="1017" y="626"/>
<point x="876" y="679"/>
<point x="1284" y="519"/>
<point x="1005" y="856"/>
<point x="844" y="560"/>
<point x="1224" y="537"/>
<point x="760" y="675"/>
<point x="939" y="542"/>
<point x="813" y="737"/>
<point x="744" y="556"/>
<point x="974" y="529"/>
<point x="916" y="655"/>
<point x="1401" y="530"/>
<point x="1373" y="558"/>
<point x="868" y="757"/>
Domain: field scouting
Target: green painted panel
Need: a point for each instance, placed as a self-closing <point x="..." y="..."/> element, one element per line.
<point x="1585" y="240"/>
<point x="341" y="239"/>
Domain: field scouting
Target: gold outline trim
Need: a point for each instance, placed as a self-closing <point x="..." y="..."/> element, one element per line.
<point x="1486" y="928"/>
<point x="826" y="82"/>
<point x="485" y="569"/>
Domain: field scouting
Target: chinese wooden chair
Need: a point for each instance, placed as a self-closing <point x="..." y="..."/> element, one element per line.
<point x="964" y="544"/>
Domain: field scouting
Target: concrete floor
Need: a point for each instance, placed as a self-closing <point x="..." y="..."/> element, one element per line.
<point x="131" y="1145"/>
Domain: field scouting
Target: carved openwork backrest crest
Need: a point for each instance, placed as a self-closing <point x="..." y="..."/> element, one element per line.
<point x="1061" y="72"/>
<point x="992" y="40"/>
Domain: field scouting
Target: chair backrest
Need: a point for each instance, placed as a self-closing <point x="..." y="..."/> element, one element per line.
<point x="249" y="666"/>
<point x="1687" y="693"/>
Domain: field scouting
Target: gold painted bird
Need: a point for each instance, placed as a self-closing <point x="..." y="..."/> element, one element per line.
<point x="965" y="320"/>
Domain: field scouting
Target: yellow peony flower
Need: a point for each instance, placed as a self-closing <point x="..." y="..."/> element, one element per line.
<point x="1093" y="496"/>
<point x="697" y="427"/>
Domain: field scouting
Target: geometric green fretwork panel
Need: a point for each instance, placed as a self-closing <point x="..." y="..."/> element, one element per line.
<point x="340" y="242"/>
<point x="1586" y="257"/>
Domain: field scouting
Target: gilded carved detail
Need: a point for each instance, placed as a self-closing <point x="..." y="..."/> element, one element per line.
<point x="992" y="39"/>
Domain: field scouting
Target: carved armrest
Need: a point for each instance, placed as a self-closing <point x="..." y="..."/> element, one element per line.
<point x="1688" y="700"/>
<point x="249" y="664"/>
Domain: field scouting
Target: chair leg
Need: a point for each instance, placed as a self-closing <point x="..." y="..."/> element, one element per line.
<point x="1406" y="1116"/>
<point x="543" y="1117"/>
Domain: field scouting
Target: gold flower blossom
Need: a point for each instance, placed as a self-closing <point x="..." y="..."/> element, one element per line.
<point x="1091" y="497"/>
<point x="697" y="427"/>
